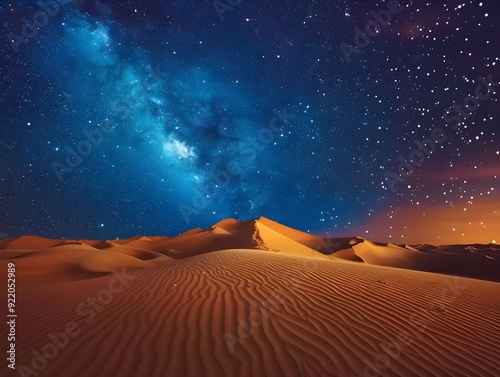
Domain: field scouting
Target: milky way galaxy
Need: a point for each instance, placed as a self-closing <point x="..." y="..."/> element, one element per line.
<point x="143" y="117"/>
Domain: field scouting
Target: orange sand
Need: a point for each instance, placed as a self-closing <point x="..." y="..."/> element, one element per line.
<point x="252" y="298"/>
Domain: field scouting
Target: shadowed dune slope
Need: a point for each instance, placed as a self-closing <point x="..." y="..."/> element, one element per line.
<point x="256" y="235"/>
<point x="455" y="259"/>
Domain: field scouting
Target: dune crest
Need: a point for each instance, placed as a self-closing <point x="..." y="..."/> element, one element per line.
<point x="477" y="261"/>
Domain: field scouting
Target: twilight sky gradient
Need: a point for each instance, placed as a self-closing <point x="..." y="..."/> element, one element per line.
<point x="258" y="114"/>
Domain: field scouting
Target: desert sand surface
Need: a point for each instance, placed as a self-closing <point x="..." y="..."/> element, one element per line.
<point x="252" y="298"/>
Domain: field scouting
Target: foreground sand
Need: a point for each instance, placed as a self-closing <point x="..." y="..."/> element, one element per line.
<point x="251" y="298"/>
<point x="258" y="313"/>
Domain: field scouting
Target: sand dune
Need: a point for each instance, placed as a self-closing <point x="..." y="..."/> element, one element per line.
<point x="255" y="313"/>
<point x="258" y="235"/>
<point x="27" y="243"/>
<point x="252" y="298"/>
<point x="477" y="261"/>
<point x="78" y="261"/>
<point x="452" y="259"/>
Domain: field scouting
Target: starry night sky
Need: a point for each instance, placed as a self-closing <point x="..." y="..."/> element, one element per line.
<point x="153" y="117"/>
